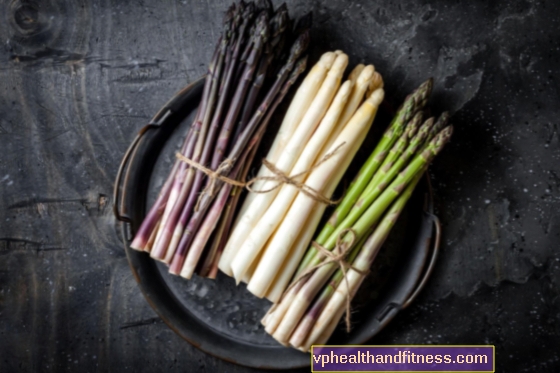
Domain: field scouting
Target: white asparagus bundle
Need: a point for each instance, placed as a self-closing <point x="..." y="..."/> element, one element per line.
<point x="285" y="163"/>
<point x="292" y="223"/>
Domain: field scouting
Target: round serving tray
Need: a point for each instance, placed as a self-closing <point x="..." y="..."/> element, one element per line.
<point x="223" y="319"/>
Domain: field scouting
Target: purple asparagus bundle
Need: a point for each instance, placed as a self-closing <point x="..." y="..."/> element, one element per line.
<point x="258" y="57"/>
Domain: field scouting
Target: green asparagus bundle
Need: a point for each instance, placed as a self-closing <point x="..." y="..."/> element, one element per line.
<point x="318" y="296"/>
<point x="258" y="58"/>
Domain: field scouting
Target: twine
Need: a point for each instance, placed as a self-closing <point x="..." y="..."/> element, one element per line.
<point x="279" y="176"/>
<point x="338" y="256"/>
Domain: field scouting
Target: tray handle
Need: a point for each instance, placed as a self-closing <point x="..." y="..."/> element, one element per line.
<point x="122" y="216"/>
<point x="172" y="106"/>
<point x="433" y="259"/>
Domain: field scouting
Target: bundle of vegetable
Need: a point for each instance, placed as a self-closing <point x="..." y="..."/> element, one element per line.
<point x="337" y="262"/>
<point x="259" y="56"/>
<point x="321" y="132"/>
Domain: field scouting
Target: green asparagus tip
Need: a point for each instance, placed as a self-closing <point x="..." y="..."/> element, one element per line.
<point x="424" y="131"/>
<point x="414" y="124"/>
<point x="426" y="87"/>
<point x="442" y="138"/>
<point x="439" y="125"/>
<point x="421" y="94"/>
<point x="442" y="120"/>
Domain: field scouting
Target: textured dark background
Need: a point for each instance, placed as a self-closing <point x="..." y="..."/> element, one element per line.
<point x="79" y="78"/>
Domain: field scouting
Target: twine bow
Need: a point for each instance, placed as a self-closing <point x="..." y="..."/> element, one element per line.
<point x="338" y="256"/>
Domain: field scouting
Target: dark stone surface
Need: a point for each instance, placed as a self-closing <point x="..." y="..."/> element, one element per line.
<point x="79" y="78"/>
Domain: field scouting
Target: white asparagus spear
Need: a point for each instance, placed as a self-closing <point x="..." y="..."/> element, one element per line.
<point x="375" y="82"/>
<point x="299" y="106"/>
<point x="247" y="252"/>
<point x="355" y="73"/>
<point x="273" y="216"/>
<point x="363" y="81"/>
<point x="251" y="269"/>
<point x="275" y="315"/>
<point x="360" y="123"/>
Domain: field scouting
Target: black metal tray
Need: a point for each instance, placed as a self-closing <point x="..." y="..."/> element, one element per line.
<point x="223" y="319"/>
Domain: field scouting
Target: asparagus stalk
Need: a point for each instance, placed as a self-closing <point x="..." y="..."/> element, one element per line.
<point x="395" y="130"/>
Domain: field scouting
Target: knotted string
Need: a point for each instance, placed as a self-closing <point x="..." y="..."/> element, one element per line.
<point x="338" y="256"/>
